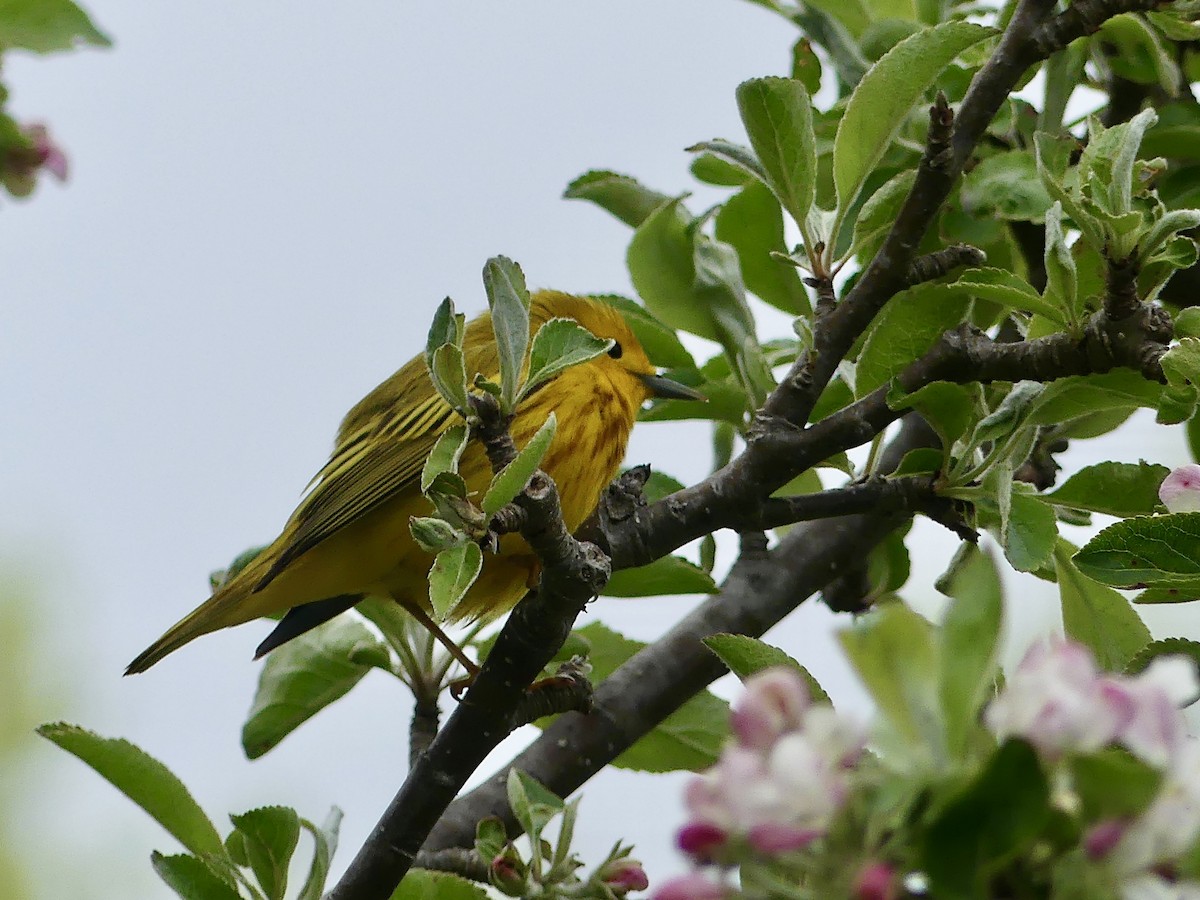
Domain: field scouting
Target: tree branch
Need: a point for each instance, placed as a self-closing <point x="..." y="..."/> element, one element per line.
<point x="572" y="574"/>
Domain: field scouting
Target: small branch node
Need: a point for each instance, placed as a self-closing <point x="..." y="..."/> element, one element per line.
<point x="942" y="262"/>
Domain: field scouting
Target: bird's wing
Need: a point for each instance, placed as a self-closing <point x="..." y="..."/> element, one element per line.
<point x="371" y="465"/>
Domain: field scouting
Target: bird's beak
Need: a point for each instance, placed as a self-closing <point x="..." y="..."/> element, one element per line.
<point x="667" y="389"/>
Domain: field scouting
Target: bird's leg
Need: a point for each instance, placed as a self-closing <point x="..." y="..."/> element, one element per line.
<point x="444" y="639"/>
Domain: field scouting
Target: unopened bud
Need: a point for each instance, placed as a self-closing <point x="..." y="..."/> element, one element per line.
<point x="623" y="876"/>
<point x="507" y="873"/>
<point x="701" y="840"/>
<point x="876" y="881"/>
<point x="1103" y="837"/>
<point x="690" y="887"/>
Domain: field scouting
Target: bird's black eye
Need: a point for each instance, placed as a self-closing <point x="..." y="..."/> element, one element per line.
<point x="615" y="350"/>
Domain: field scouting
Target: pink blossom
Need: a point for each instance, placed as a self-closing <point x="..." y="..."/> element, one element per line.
<point x="49" y="155"/>
<point x="690" y="887"/>
<point x="1171" y="825"/>
<point x="1180" y="491"/>
<point x="1058" y="701"/>
<point x="1103" y="837"/>
<point x="624" y="875"/>
<point x="774" y="703"/>
<point x="772" y="838"/>
<point x="876" y="881"/>
<point x="701" y="840"/>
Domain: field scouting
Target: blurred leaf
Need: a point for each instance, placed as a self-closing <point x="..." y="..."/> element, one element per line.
<point x="1062" y="280"/>
<point x="558" y="345"/>
<point x="994" y="819"/>
<point x="690" y="738"/>
<point x="269" y="835"/>
<point x="777" y="114"/>
<point x="191" y="878"/>
<point x="145" y="781"/>
<point x="453" y="573"/>
<point x="1155" y="551"/>
<point x="908" y="326"/>
<point x="969" y="637"/>
<point x="1187" y="593"/>
<point x="750" y="221"/>
<point x="1117" y="489"/>
<point x="746" y="656"/>
<point x="1097" y="616"/>
<point x="892" y="649"/>
<point x="1112" y="783"/>
<point x="305" y="675"/>
<point x="660" y="485"/>
<point x="949" y="408"/>
<point x="806" y="65"/>
<point x="423" y="884"/>
<point x="325" y="840"/>
<point x="44" y="26"/>
<point x="1136" y="53"/>
<point x="623" y="196"/>
<point x="445" y="454"/>
<point x="511" y="480"/>
<point x="1006" y="186"/>
<point x="732" y="154"/>
<point x="884" y="97"/>
<point x="508" y="300"/>
<point x="1081" y="395"/>
<point x="670" y="575"/>
<point x="712" y="169"/>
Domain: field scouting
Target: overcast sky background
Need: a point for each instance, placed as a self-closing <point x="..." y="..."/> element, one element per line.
<point x="268" y="199"/>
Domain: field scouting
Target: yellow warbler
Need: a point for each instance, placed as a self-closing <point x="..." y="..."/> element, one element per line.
<point x="350" y="536"/>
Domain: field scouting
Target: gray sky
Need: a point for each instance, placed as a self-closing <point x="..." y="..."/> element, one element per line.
<point x="268" y="199"/>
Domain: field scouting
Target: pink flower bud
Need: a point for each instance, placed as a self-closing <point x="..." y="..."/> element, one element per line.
<point x="772" y="838"/>
<point x="1180" y="491"/>
<point x="506" y="873"/>
<point x="690" y="887"/>
<point x="624" y="875"/>
<point x="48" y="154"/>
<point x="1103" y="837"/>
<point x="701" y="840"/>
<point x="774" y="703"/>
<point x="876" y="881"/>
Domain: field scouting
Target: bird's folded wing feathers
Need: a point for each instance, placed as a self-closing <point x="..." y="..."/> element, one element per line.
<point x="369" y="466"/>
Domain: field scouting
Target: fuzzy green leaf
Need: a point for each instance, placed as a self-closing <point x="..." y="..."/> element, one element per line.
<point x="511" y="480"/>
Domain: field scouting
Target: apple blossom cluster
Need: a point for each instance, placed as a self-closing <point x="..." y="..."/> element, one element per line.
<point x="1060" y="701"/>
<point x="776" y="787"/>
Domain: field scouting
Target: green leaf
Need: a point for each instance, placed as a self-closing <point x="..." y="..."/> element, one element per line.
<point x="1031" y="533"/>
<point x="1010" y="291"/>
<point x="1062" y="280"/>
<point x="558" y="345"/>
<point x="777" y="113"/>
<point x="660" y="485"/>
<point x="806" y="65"/>
<point x="623" y="196"/>
<point x="878" y="214"/>
<point x="884" y="97"/>
<point x="1097" y="616"/>
<point x="448" y="370"/>
<point x="145" y="781"/>
<point x="533" y="805"/>
<point x="670" y="575"/>
<point x="423" y="884"/>
<point x="691" y="738"/>
<point x="1138" y="53"/>
<point x="1082" y="395"/>
<point x="305" y="675"/>
<point x="712" y="169"/>
<point x="1185" y="593"/>
<point x="950" y="408"/>
<point x="908" y="326"/>
<point x="1167" y="647"/>
<point x="325" y="841"/>
<point x="445" y="454"/>
<point x="1172" y="222"/>
<point x="44" y="26"/>
<point x="511" y="480"/>
<point x="453" y="573"/>
<point x="269" y="835"/>
<point x="1187" y="322"/>
<point x="661" y="344"/>
<point x="994" y="819"/>
<point x="663" y="272"/>
<point x="508" y="300"/>
<point x="1117" y="489"/>
<point x="893" y="651"/>
<point x="1181" y="364"/>
<point x="746" y="656"/>
<point x="191" y="878"/>
<point x="1154" y="551"/>
<point x="969" y="637"/>
<point x="1112" y="783"/>
<point x="1006" y="187"/>
<point x="442" y="330"/>
<point x="736" y="155"/>
<point x="750" y="221"/>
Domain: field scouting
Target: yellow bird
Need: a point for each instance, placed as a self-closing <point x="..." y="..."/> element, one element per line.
<point x="350" y="536"/>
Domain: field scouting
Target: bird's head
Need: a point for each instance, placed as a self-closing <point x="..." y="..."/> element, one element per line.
<point x="626" y="361"/>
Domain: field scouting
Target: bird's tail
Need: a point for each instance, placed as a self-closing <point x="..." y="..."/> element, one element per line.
<point x="232" y="604"/>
